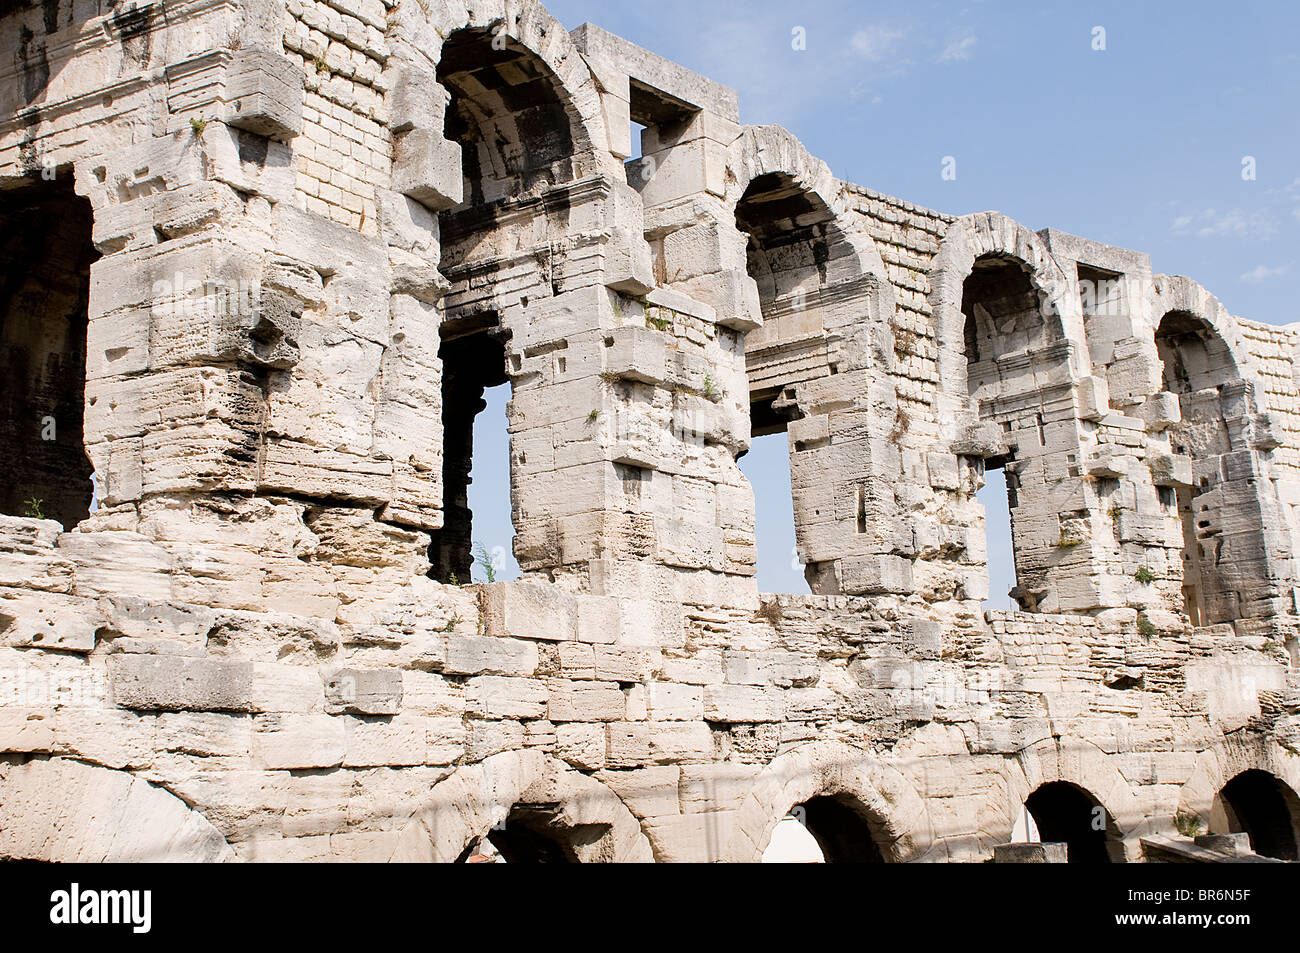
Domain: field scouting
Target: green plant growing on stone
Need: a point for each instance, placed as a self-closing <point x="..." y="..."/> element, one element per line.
<point x="1144" y="575"/>
<point x="1116" y="512"/>
<point x="1146" y="628"/>
<point x="454" y="580"/>
<point x="608" y="377"/>
<point x="1188" y="824"/>
<point x="1066" y="541"/>
<point x="320" y="64"/>
<point x="33" y="508"/>
<point x="711" y="388"/>
<point x="659" y="324"/>
<point x="484" y="561"/>
<point x="593" y="416"/>
<point x="198" y="125"/>
<point x="454" y="621"/>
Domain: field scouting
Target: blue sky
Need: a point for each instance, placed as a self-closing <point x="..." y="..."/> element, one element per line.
<point x="1139" y="145"/>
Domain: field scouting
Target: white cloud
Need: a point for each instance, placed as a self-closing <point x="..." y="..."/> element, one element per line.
<point x="958" y="50"/>
<point x="1236" y="222"/>
<point x="1261" y="273"/>
<point x="874" y="43"/>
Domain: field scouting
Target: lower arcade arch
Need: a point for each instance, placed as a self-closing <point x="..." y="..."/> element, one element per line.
<point x="1264" y="808"/>
<point x="521" y="807"/>
<point x="1065" y="813"/>
<point x="835" y="829"/>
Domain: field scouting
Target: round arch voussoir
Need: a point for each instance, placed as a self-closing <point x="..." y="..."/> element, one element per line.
<point x="832" y="768"/>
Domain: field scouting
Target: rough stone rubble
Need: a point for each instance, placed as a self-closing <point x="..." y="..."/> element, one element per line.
<point x="262" y="257"/>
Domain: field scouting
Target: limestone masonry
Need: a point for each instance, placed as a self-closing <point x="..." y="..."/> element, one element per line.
<point x="262" y="257"/>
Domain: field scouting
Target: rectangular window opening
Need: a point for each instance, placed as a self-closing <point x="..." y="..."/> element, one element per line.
<point x="45" y="257"/>
<point x="767" y="467"/>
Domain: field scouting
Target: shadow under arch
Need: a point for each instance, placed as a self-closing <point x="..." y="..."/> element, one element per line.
<point x="518" y="135"/>
<point x="61" y="810"/>
<point x="845" y="830"/>
<point x="560" y="815"/>
<point x="1256" y="807"/>
<point x="1264" y="808"/>
<point x="829" y="778"/>
<point x="1092" y="777"/>
<point x="1066" y="813"/>
<point x="992" y="236"/>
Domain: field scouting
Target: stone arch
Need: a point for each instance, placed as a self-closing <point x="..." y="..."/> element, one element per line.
<point x="774" y="151"/>
<point x="821" y="355"/>
<point x="1011" y="353"/>
<point x="538" y="234"/>
<point x="1226" y="496"/>
<point x="1086" y="767"/>
<point x="63" y="811"/>
<point x="900" y="821"/>
<point x="1200" y="797"/>
<point x="1175" y="293"/>
<point x="991" y="233"/>
<point x="462" y="810"/>
<point x="424" y="28"/>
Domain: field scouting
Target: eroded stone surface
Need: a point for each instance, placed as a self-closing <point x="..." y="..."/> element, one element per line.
<point x="299" y="258"/>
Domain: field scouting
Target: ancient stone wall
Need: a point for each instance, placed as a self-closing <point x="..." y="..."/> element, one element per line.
<point x="296" y="239"/>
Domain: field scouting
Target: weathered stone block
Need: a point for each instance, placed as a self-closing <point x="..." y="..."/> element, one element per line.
<point x="426" y="167"/>
<point x="529" y="611"/>
<point x="495" y="696"/>
<point x="584" y="701"/>
<point x="741" y="703"/>
<point x="496" y="655"/>
<point x="298" y="741"/>
<point x="1030" y="854"/>
<point x="361" y="691"/>
<point x="179" y="683"/>
<point x="264" y="94"/>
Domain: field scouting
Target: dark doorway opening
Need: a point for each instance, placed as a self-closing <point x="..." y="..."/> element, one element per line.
<point x="1262" y="807"/>
<point x="844" y="832"/>
<point x="1066" y="814"/>
<point x="536" y="834"/>
<point x="473" y="359"/>
<point x="45" y="257"/>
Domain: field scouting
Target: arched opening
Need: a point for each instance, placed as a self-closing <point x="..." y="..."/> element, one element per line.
<point x="520" y="143"/>
<point x="1261" y="806"/>
<point x="507" y="114"/>
<point x="45" y="258"/>
<point x="834" y="830"/>
<point x="787" y="252"/>
<point x="809" y="285"/>
<point x="534" y="834"/>
<point x="1065" y="813"/>
<point x="1198" y="367"/>
<point x="1017" y="371"/>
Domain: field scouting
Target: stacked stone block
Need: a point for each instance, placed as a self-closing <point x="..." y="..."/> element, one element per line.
<point x="241" y="653"/>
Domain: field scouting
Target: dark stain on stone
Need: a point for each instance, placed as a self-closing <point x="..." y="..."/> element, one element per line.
<point x="32" y="64"/>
